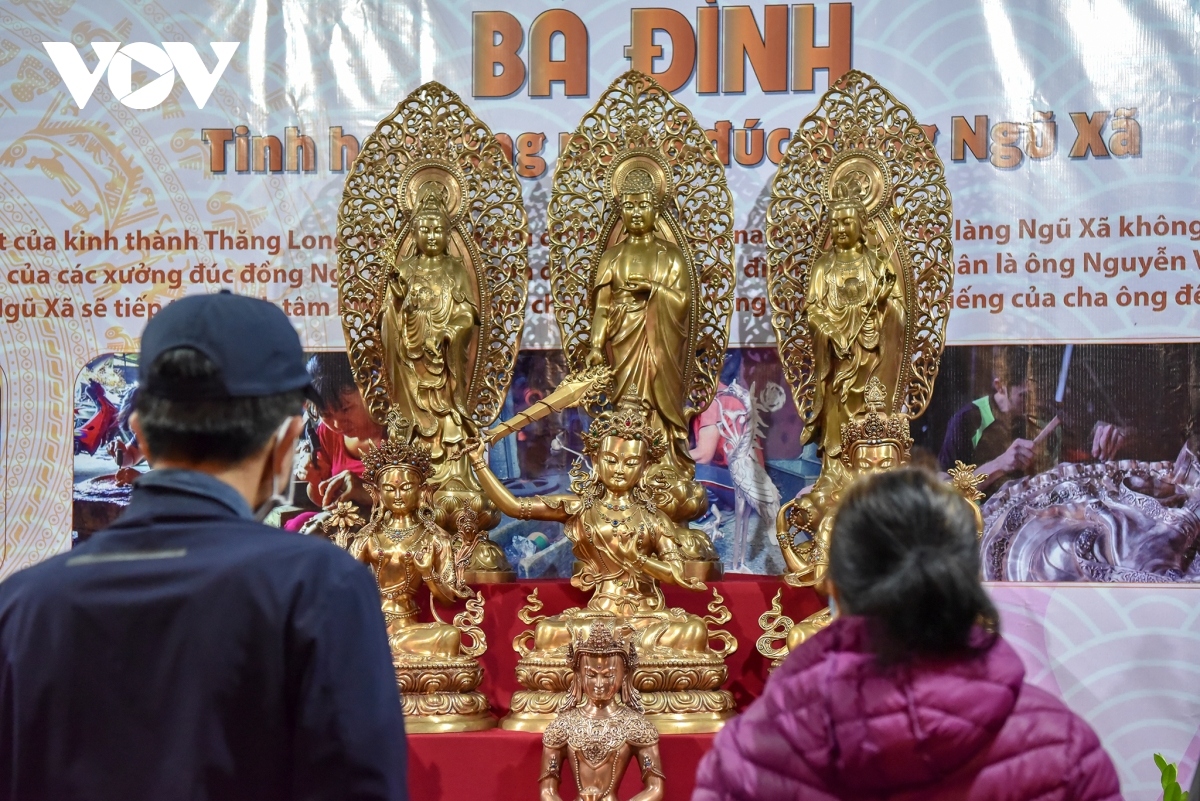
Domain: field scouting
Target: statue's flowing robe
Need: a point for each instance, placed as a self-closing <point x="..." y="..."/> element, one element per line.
<point x="649" y="336"/>
<point x="425" y="345"/>
<point x="852" y="341"/>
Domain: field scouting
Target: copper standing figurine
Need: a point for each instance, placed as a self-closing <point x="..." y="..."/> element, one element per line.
<point x="641" y="269"/>
<point x="431" y="264"/>
<point x="860" y="270"/>
<point x="601" y="726"/>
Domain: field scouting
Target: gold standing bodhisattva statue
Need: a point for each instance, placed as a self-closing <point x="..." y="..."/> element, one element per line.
<point x="642" y="274"/>
<point x="860" y="269"/>
<point x="431" y="265"/>
<point x="407" y="550"/>
<point x="601" y="726"/>
<point x="624" y="547"/>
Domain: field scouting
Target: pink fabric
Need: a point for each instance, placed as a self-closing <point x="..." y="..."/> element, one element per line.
<point x="833" y="724"/>
<point x="334" y="457"/>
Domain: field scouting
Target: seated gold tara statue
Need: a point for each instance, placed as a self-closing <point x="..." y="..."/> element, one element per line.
<point x="601" y="726"/>
<point x="624" y="546"/>
<point x="407" y="551"/>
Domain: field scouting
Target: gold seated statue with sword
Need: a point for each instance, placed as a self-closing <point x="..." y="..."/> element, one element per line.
<point x="624" y="548"/>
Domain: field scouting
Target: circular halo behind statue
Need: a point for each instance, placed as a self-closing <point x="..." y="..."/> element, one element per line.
<point x="639" y="183"/>
<point x="432" y="259"/>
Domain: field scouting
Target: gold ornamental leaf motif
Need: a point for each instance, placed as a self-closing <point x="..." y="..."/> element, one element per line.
<point x="433" y="136"/>
<point x="862" y="138"/>
<point x="636" y="123"/>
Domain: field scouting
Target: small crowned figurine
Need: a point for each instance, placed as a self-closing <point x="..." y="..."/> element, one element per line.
<point x="601" y="724"/>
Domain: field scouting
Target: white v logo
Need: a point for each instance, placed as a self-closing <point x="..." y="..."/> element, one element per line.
<point x="80" y="82"/>
<point x="198" y="80"/>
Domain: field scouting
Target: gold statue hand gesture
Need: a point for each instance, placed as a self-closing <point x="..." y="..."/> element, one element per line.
<point x="596" y="357"/>
<point x="687" y="582"/>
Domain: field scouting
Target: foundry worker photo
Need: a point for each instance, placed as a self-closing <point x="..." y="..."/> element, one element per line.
<point x="989" y="432"/>
<point x="910" y="694"/>
<point x="188" y="651"/>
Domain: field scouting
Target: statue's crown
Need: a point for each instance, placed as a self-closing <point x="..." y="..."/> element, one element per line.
<point x="433" y="197"/>
<point x="876" y="427"/>
<point x="395" y="451"/>
<point x="630" y="420"/>
<point x="848" y="193"/>
<point x="604" y="640"/>
<point x="637" y="182"/>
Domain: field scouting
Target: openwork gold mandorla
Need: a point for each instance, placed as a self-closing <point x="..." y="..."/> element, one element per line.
<point x="637" y="125"/>
<point x="861" y="136"/>
<point x="433" y="151"/>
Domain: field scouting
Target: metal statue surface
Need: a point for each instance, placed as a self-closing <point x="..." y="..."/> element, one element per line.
<point x="407" y="550"/>
<point x="624" y="546"/>
<point x="432" y="259"/>
<point x="860" y="271"/>
<point x="641" y="270"/>
<point x="601" y="726"/>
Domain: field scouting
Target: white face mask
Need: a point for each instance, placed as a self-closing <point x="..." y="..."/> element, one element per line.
<point x="281" y="481"/>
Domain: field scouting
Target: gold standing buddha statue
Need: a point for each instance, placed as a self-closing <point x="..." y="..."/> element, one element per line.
<point x="860" y="267"/>
<point x="642" y="273"/>
<point x="624" y="546"/>
<point x="601" y="726"/>
<point x="407" y="550"/>
<point x="432" y="259"/>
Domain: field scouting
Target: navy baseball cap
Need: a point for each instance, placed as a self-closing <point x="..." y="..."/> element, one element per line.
<point x="250" y="340"/>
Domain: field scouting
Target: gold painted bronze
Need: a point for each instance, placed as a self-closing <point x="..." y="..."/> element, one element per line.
<point x="432" y="259"/>
<point x="625" y="546"/>
<point x="406" y="549"/>
<point x="860" y="271"/>
<point x="601" y="725"/>
<point x="641" y="270"/>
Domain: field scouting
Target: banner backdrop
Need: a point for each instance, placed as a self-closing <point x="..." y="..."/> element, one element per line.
<point x="155" y="149"/>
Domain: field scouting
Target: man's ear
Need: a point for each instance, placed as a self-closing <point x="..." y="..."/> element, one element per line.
<point x="135" y="425"/>
<point x="285" y="448"/>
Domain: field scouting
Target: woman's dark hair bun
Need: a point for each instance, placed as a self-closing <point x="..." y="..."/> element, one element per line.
<point x="904" y="554"/>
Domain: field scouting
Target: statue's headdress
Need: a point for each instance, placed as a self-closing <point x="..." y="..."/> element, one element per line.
<point x="433" y="197"/>
<point x="395" y="451"/>
<point x="876" y="427"/>
<point x="850" y="191"/>
<point x="630" y="420"/>
<point x="637" y="181"/>
<point x="604" y="639"/>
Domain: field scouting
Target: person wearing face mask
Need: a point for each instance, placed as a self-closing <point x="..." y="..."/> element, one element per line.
<point x="188" y="651"/>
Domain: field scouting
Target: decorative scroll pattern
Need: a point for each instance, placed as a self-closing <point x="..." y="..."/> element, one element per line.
<point x="857" y="114"/>
<point x="635" y="114"/>
<point x="433" y="130"/>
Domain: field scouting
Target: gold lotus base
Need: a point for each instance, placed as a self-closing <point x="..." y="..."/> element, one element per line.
<point x="489" y="576"/>
<point x="438" y="694"/>
<point x="672" y="712"/>
<point x="444" y="724"/>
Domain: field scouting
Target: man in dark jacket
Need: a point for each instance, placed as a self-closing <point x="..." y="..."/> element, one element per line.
<point x="188" y="651"/>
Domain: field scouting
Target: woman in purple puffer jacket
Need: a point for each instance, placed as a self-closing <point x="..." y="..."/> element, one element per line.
<point x="910" y="693"/>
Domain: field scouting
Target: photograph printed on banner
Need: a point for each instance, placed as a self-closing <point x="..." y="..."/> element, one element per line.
<point x="1090" y="457"/>
<point x="745" y="472"/>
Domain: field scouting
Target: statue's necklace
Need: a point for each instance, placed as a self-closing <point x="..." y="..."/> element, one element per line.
<point x="612" y="519"/>
<point x="399" y="535"/>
